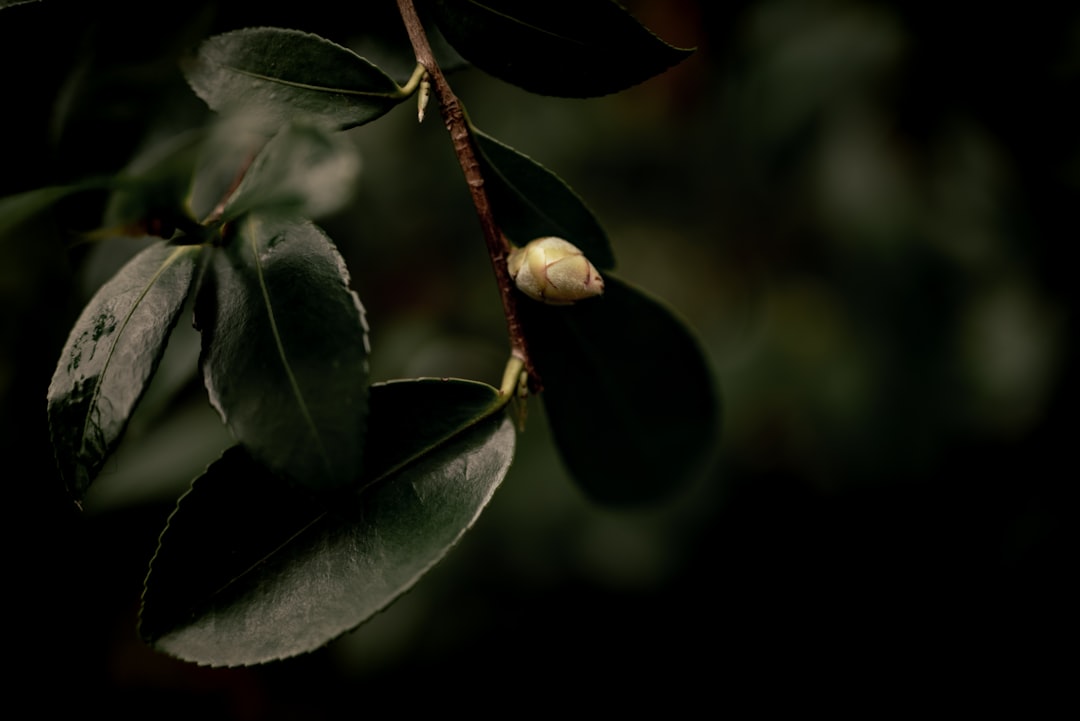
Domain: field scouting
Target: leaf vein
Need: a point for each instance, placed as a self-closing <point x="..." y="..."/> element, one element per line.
<point x="279" y="343"/>
<point x="398" y="93"/>
<point x="524" y="24"/>
<point x="100" y="382"/>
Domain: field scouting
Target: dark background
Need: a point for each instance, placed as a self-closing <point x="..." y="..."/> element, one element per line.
<point x="864" y="211"/>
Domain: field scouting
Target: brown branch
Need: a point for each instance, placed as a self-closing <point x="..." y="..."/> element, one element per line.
<point x="465" y="148"/>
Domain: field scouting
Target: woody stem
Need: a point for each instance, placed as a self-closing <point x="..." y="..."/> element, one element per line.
<point x="453" y="116"/>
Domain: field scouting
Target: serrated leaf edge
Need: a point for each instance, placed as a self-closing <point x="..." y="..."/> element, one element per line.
<point x="499" y="402"/>
<point x="400" y="92"/>
<point x="99" y="381"/>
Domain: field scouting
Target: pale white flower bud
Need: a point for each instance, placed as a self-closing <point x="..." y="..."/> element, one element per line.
<point x="553" y="271"/>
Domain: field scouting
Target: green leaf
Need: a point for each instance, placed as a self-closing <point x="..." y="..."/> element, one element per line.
<point x="280" y="75"/>
<point x="303" y="171"/>
<point x="570" y="48"/>
<point x="111" y="355"/>
<point x="251" y="570"/>
<point x="232" y="143"/>
<point x="152" y="191"/>
<point x="17" y="209"/>
<point x="631" y="402"/>
<point x="529" y="201"/>
<point x="285" y="350"/>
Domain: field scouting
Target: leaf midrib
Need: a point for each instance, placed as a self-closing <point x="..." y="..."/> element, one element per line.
<point x="168" y="262"/>
<point x="294" y="383"/>
<point x="398" y="93"/>
<point x="522" y="23"/>
<point x="498" y="402"/>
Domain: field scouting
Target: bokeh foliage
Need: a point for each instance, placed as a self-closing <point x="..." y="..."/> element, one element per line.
<point x="861" y="206"/>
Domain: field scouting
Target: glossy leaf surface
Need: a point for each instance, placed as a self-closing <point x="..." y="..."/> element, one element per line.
<point x="529" y="201"/>
<point x="280" y="75"/>
<point x="631" y="402"/>
<point x="250" y="570"/>
<point x="570" y="48"/>
<point x="110" y="357"/>
<point x="303" y="171"/>
<point x="285" y="350"/>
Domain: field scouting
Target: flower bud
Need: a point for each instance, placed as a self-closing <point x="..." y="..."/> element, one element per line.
<point x="553" y="271"/>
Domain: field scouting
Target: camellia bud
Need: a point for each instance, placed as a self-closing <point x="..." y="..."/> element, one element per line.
<point x="553" y="271"/>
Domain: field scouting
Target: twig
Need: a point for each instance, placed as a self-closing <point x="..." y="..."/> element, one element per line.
<point x="464" y="147"/>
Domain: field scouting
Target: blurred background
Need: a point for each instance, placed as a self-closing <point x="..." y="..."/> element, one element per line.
<point x="861" y="208"/>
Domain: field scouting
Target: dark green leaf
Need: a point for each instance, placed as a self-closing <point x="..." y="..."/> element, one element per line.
<point x="110" y="356"/>
<point x="250" y="570"/>
<point x="631" y="401"/>
<point x="529" y="201"/>
<point x="281" y="75"/>
<point x="302" y="171"/>
<point x="16" y="209"/>
<point x="154" y="187"/>
<point x="285" y="350"/>
<point x="232" y="144"/>
<point x="571" y="48"/>
<point x="152" y="191"/>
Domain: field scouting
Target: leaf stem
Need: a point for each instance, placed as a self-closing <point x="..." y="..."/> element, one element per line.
<point x="453" y="116"/>
<point x="414" y="81"/>
<point x="511" y="381"/>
